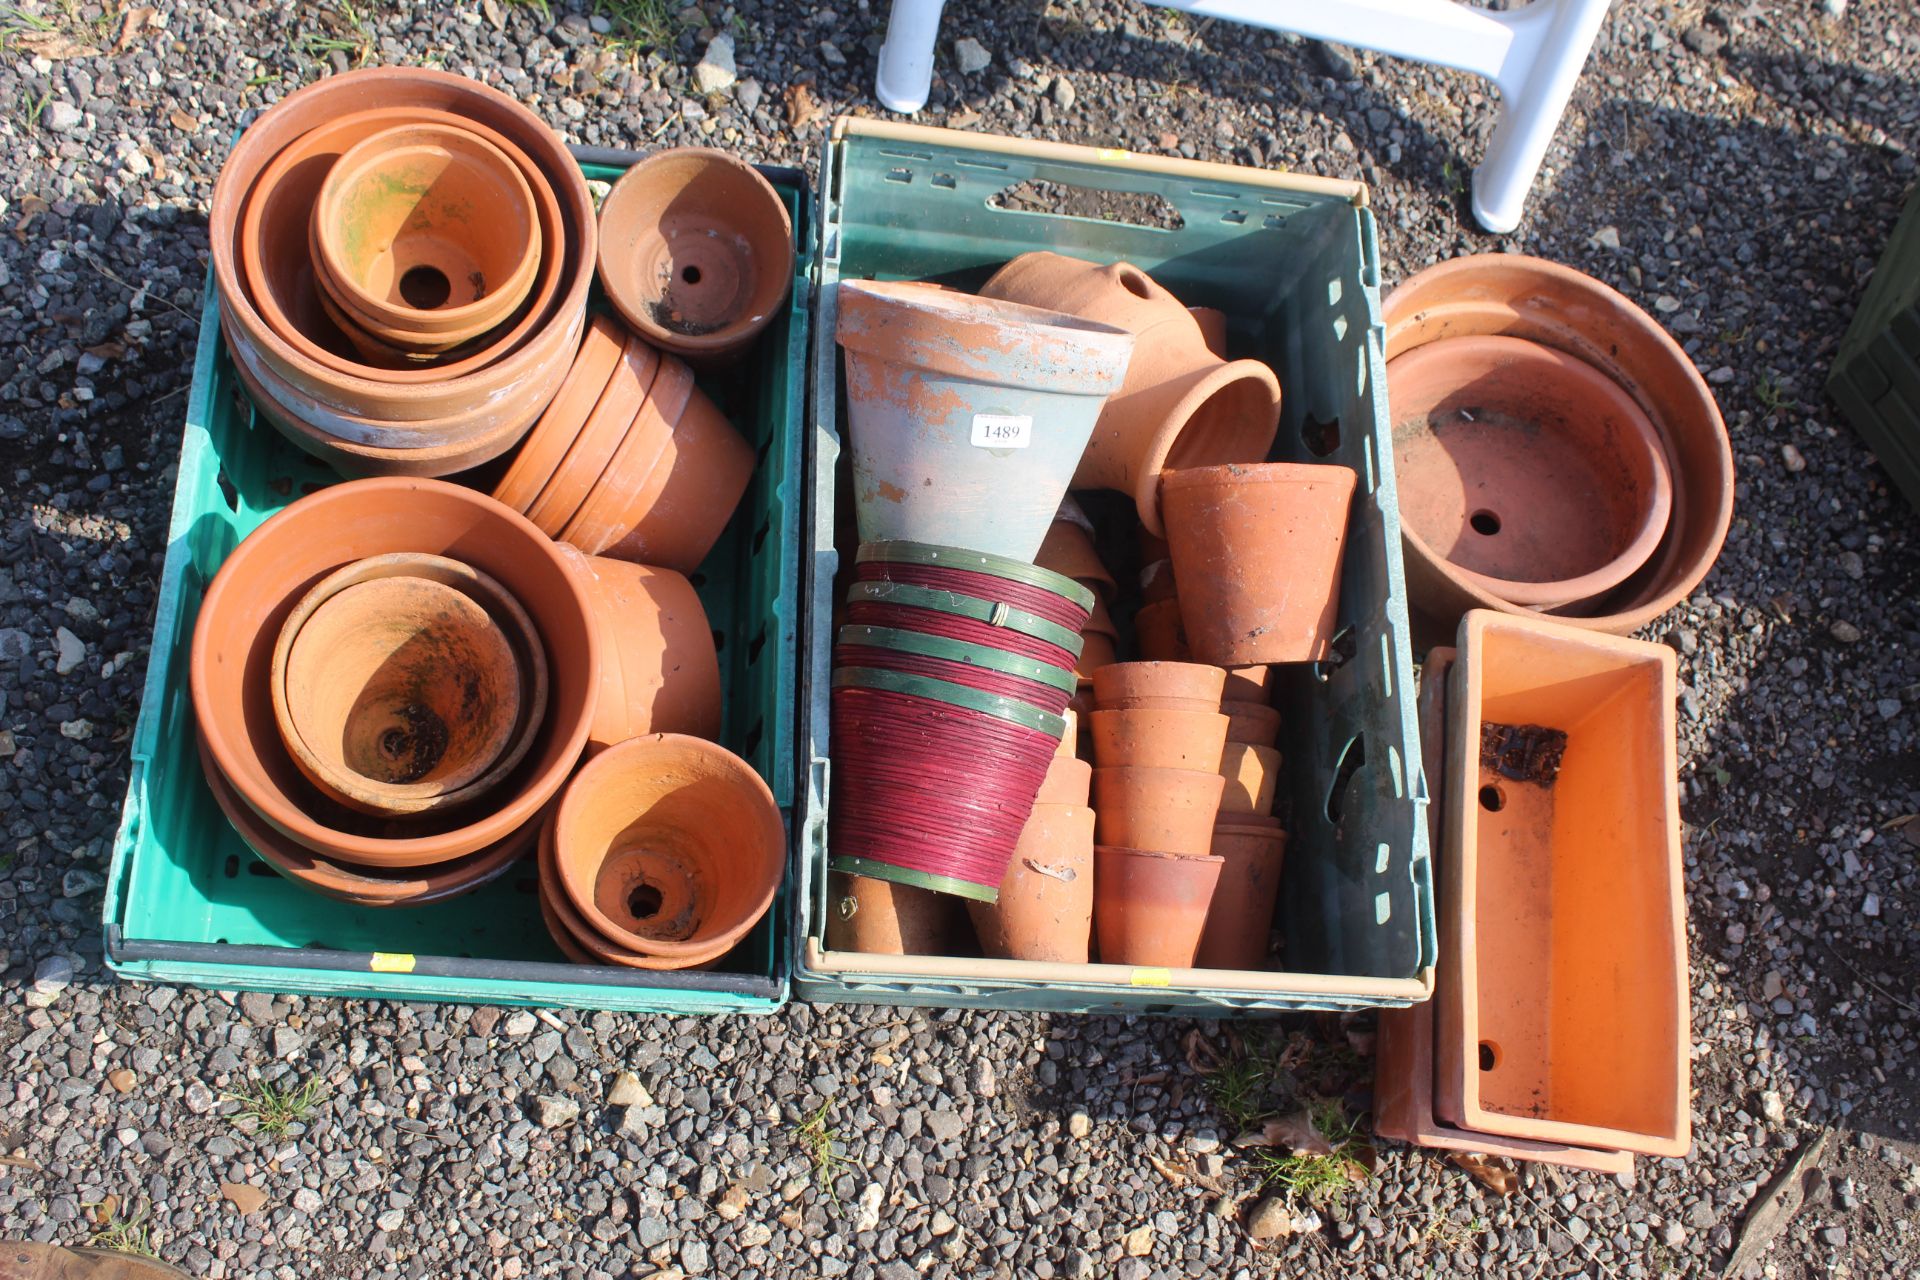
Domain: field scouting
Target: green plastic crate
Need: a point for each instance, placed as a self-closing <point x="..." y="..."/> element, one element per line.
<point x="1292" y="262"/>
<point x="1876" y="374"/>
<point x="188" y="902"/>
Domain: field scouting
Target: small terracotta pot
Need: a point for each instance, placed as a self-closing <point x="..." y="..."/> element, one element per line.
<point x="1167" y="810"/>
<point x="1096" y="651"/>
<point x="1248" y="684"/>
<point x="426" y="235"/>
<point x="879" y="917"/>
<point x="1525" y="470"/>
<point x="1559" y="307"/>
<point x="599" y="437"/>
<point x="1252" y="774"/>
<point x="408" y="664"/>
<point x="697" y="483"/>
<point x="669" y="845"/>
<point x="560" y="422"/>
<point x="1100" y="620"/>
<point x="1159" y="633"/>
<point x="1257" y="551"/>
<point x="637" y="474"/>
<point x="1240" y="917"/>
<point x="261" y="580"/>
<point x="1045" y="908"/>
<point x="967" y="415"/>
<point x="360" y="885"/>
<point x="1254" y="723"/>
<point x="1156" y="582"/>
<point x="1177" y="685"/>
<point x="1159" y="739"/>
<point x="1068" y="549"/>
<point x="696" y="252"/>
<point x="1069" y="781"/>
<point x="1149" y="908"/>
<point x="585" y="944"/>
<point x="1181" y="406"/>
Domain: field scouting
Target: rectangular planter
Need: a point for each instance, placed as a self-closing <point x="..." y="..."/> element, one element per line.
<point x="1563" y="975"/>
<point x="1292" y="262"/>
<point x="1876" y="373"/>
<point x="1403" y="1054"/>
<point x="187" y="900"/>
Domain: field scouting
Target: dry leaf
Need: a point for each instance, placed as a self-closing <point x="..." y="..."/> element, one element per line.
<point x="1295" y="1132"/>
<point x="1177" y="1174"/>
<point x="1202" y="1058"/>
<point x="802" y="110"/>
<point x="31" y="207"/>
<point x="108" y="351"/>
<point x="103" y="1212"/>
<point x="54" y="46"/>
<point x="496" y="17"/>
<point x="137" y="21"/>
<point x="965" y="118"/>
<point x="1496" y="1176"/>
<point x="185" y="121"/>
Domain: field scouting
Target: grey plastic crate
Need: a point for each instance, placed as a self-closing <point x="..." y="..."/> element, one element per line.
<point x="1292" y="262"/>
<point x="1876" y="374"/>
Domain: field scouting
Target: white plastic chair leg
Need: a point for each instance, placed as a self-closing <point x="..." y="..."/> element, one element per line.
<point x="905" y="75"/>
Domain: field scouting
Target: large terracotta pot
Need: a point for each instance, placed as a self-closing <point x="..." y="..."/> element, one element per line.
<point x="669" y="846"/>
<point x="408" y="682"/>
<point x="696" y="252"/>
<point x="1240" y="917"/>
<point x="1524" y="470"/>
<point x="560" y="422"/>
<point x="1159" y="739"/>
<point x="600" y="436"/>
<point x="1182" y="405"/>
<point x="277" y="270"/>
<point x="1559" y="307"/>
<point x="266" y="575"/>
<point x="968" y="415"/>
<point x="1179" y="686"/>
<point x="1257" y="551"/>
<point x="504" y="395"/>
<point x="1166" y="810"/>
<point x="660" y="672"/>
<point x="1045" y="908"/>
<point x="1149" y="908"/>
<point x="880" y="917"/>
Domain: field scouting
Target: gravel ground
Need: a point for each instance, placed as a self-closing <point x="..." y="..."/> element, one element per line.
<point x="1735" y="169"/>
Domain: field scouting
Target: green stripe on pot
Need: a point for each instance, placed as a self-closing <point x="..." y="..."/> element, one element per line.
<point x="1012" y="710"/>
<point x="926" y="553"/>
<point x="973" y="655"/>
<point x="964" y="606"/>
<point x="917" y="879"/>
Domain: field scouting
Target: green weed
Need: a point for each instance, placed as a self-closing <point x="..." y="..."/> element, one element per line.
<point x="822" y="1146"/>
<point x="1318" y="1179"/>
<point x="274" y="1109"/>
<point x="126" y="1234"/>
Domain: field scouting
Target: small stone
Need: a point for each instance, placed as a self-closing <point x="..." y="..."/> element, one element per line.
<point x="693" y="1256"/>
<point x="600" y="24"/>
<point x="76" y="730"/>
<point x="1871" y="905"/>
<point x="732" y="1202"/>
<point x="71" y="651"/>
<point x="1605" y="238"/>
<point x="831" y="55"/>
<point x="1704" y="40"/>
<point x="50" y="977"/>
<point x="942" y="1224"/>
<point x="1736" y="933"/>
<point x="1834" y="9"/>
<point x="200" y="1099"/>
<point x="1852" y="565"/>
<point x="1138" y="1242"/>
<point x="519" y="1023"/>
<point x="748" y="93"/>
<point x="244" y="1196"/>
<point x="945" y="1126"/>
<point x="1834" y="1237"/>
<point x="982" y="1079"/>
<point x="1888" y="708"/>
<point x="1673" y="1235"/>
<point x="551" y="1112"/>
<point x="867" y="1215"/>
<point x="627" y="1091"/>
<point x="1791" y="456"/>
<point x="287" y="1042"/>
<point x="1578" y="1229"/>
<point x="1063" y="94"/>
<point x="1845" y="632"/>
<point x="1270" y="1219"/>
<point x="970" y="56"/>
<point x="1079" y="1124"/>
<point x="77" y="882"/>
<point x="15" y="644"/>
<point x="1772" y="985"/>
<point x="1203" y="1142"/>
<point x="61" y="117"/>
<point x="308" y="1201"/>
<point x="1773" y="1107"/>
<point x="716" y="72"/>
<point x="391" y="1220"/>
<point x="121" y="1080"/>
<point x="636" y="1122"/>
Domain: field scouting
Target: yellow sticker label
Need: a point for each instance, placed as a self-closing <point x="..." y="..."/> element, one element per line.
<point x="1112" y="153"/>
<point x="1151" y="978"/>
<point x="391" y="962"/>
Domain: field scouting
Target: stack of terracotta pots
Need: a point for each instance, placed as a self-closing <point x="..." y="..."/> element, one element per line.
<point x="950" y="682"/>
<point x="1555" y="451"/>
<point x="664" y="851"/>
<point x="631" y="460"/>
<point x="1247" y="837"/>
<point x="1068" y="550"/>
<point x="374" y="319"/>
<point x="1045" y="908"/>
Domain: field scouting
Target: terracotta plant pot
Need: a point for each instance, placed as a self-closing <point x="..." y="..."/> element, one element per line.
<point x="1248" y="684"/>
<point x="585" y="944"/>
<point x="669" y="846"/>
<point x="1526" y="471"/>
<point x="1563" y="980"/>
<point x="1070" y="736"/>
<point x="1159" y="634"/>
<point x="607" y="424"/>
<point x="880" y="917"/>
<point x="361" y="423"/>
<point x="1159" y="739"/>
<point x="1178" y="686"/>
<point x="559" y="424"/>
<point x="405" y="683"/>
<point x="1252" y="773"/>
<point x="1166" y="810"/>
<point x="637" y="473"/>
<point x="1254" y="723"/>
<point x="278" y="272"/>
<point x="350" y="882"/>
<point x="1068" y="549"/>
<point x="1257" y="551"/>
<point x="1096" y="651"/>
<point x="1069" y="781"/>
<point x="1100" y="619"/>
<point x="967" y="415"/>
<point x="267" y="574"/>
<point x="696" y="252"/>
<point x="694" y="487"/>
<point x="1559" y="307"/>
<point x="660" y="672"/>
<point x="1045" y="908"/>
<point x="1150" y="908"/>
<point x="1240" y="917"/>
<point x="1213" y="328"/>
<point x="1181" y="405"/>
<point x="1156" y="582"/>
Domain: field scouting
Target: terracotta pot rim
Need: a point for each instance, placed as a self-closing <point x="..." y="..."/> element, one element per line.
<point x="526" y="477"/>
<point x="1228" y="474"/>
<point x="1130" y="851"/>
<point x="600" y="440"/>
<point x="1146" y="486"/>
<point x="879" y="318"/>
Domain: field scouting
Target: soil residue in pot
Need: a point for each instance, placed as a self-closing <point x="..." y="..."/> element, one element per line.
<point x="1523" y="752"/>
